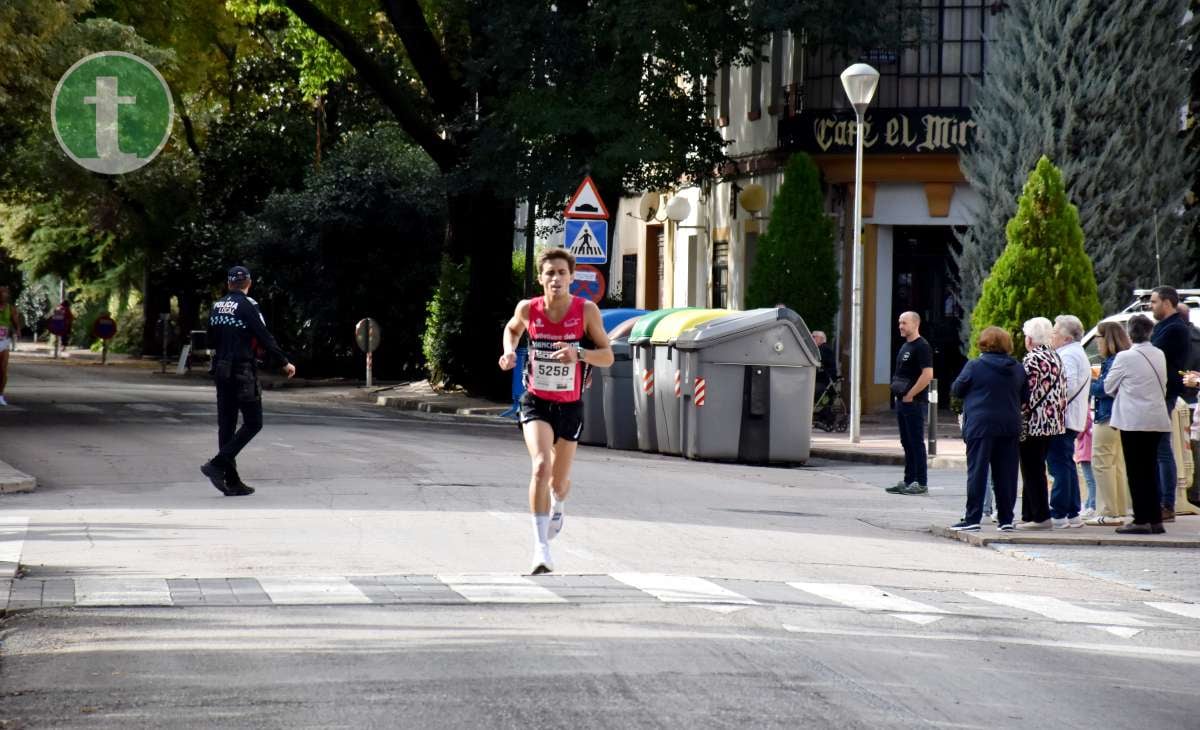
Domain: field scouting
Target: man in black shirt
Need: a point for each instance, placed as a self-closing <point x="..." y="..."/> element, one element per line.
<point x="914" y="370"/>
<point x="235" y="328"/>
<point x="1171" y="336"/>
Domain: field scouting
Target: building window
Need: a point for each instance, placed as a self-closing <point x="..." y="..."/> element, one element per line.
<point x="938" y="64"/>
<point x="723" y="97"/>
<point x="775" y="91"/>
<point x="756" y="74"/>
<point x="720" y="275"/>
<point x="629" y="280"/>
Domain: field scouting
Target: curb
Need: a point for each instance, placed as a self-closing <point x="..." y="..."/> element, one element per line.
<point x="866" y="457"/>
<point x="1082" y="537"/>
<point x="14" y="481"/>
<point x="423" y="406"/>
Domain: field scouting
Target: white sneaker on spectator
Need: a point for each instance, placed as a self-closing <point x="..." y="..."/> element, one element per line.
<point x="1076" y="521"/>
<point x="1059" y="523"/>
<point x="1043" y="525"/>
<point x="990" y="517"/>
<point x="2" y="401"/>
<point x="1087" y="514"/>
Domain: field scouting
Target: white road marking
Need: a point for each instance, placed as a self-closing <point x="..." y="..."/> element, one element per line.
<point x="1189" y="610"/>
<point x="1151" y="651"/>
<point x="356" y="460"/>
<point x="282" y="445"/>
<point x="499" y="589"/>
<point x="870" y="598"/>
<point x="12" y="540"/>
<point x="1117" y="624"/>
<point x="311" y="590"/>
<point x="682" y="588"/>
<point x="118" y="591"/>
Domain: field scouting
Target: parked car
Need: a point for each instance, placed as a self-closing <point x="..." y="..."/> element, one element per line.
<point x="1141" y="305"/>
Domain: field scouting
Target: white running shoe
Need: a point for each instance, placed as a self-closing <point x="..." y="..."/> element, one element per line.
<point x="1043" y="525"/>
<point x="2" y="401"/>
<point x="1059" y="523"/>
<point x="556" y="518"/>
<point x="542" y="563"/>
<point x="1076" y="521"/>
<point x="1087" y="514"/>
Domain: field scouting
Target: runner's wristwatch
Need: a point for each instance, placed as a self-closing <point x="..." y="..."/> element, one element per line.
<point x="578" y="352"/>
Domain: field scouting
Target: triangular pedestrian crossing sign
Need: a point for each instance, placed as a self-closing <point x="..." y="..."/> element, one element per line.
<point x="586" y="202"/>
<point x="586" y="243"/>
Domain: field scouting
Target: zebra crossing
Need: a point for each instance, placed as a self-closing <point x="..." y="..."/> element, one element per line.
<point x="922" y="608"/>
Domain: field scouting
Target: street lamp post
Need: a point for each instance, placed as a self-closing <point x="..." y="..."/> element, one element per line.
<point x="859" y="81"/>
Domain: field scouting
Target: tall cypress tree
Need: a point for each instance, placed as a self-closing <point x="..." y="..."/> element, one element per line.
<point x="1097" y="86"/>
<point x="795" y="262"/>
<point x="1044" y="270"/>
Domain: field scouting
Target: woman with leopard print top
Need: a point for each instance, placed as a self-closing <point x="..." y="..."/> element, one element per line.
<point x="1042" y="416"/>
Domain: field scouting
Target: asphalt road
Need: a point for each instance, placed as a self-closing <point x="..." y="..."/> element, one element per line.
<point x="376" y="581"/>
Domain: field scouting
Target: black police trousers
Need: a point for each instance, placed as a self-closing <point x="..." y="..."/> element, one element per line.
<point x="238" y="394"/>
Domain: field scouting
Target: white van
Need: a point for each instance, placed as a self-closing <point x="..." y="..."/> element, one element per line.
<point x="1141" y="305"/>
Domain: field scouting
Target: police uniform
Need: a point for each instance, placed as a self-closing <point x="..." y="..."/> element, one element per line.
<point x="236" y="329"/>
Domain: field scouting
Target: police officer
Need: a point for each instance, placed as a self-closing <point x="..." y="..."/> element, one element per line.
<point x="235" y="328"/>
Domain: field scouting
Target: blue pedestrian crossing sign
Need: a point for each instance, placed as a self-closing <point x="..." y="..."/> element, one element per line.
<point x="587" y="240"/>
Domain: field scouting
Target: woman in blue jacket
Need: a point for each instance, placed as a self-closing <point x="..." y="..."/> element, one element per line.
<point x="992" y="386"/>
<point x="1108" y="460"/>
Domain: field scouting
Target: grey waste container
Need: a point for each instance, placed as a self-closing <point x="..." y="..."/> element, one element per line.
<point x="748" y="385"/>
<point x="668" y="393"/>
<point x="593" y="410"/>
<point x="620" y="423"/>
<point x="642" y="352"/>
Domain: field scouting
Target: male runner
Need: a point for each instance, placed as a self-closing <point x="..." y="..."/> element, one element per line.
<point x="551" y="410"/>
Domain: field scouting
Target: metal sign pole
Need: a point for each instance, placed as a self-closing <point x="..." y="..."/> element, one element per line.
<point x="103" y="352"/>
<point x="370" y="380"/>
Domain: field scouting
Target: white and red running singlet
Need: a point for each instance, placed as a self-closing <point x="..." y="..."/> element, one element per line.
<point x="546" y="378"/>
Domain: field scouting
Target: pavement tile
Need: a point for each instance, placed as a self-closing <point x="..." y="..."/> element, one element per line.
<point x="58" y="592"/>
<point x="185" y="592"/>
<point x="247" y="591"/>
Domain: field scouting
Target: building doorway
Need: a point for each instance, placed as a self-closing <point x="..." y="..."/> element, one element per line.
<point x="923" y="281"/>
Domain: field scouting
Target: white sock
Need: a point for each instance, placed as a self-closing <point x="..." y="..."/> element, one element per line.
<point x="541" y="527"/>
<point x="556" y="504"/>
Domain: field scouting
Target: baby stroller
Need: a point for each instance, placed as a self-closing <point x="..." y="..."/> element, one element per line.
<point x="829" y="412"/>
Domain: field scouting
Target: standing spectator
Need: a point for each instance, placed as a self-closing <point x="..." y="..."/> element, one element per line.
<point x="1171" y="337"/>
<point x="1083" y="460"/>
<point x="1190" y="394"/>
<point x="1042" y="419"/>
<point x="10" y="327"/>
<point x="993" y="387"/>
<point x="1064" y="495"/>
<point x="914" y="370"/>
<point x="1108" y="460"/>
<point x="1138" y="382"/>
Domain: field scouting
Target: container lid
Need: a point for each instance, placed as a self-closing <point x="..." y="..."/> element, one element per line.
<point x="747" y="323"/>
<point x="623" y="329"/>
<point x="621" y="349"/>
<point x="646" y="324"/>
<point x="671" y="327"/>
<point x="614" y="317"/>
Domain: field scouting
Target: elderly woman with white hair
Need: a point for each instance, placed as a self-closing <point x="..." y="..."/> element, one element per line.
<point x="1043" y="417"/>
<point x="1064" y="496"/>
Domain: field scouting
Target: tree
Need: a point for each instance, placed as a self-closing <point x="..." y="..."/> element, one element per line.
<point x="1097" y="87"/>
<point x="518" y="100"/>
<point x="795" y="263"/>
<point x="1044" y="270"/>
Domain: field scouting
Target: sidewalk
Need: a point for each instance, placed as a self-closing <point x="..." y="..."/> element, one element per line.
<point x="880" y="442"/>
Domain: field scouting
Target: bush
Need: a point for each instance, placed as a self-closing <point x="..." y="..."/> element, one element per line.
<point x="444" y="324"/>
<point x="1044" y="270"/>
<point x="795" y="263"/>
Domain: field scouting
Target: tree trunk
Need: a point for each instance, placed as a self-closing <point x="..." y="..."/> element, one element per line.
<point x="480" y="228"/>
<point x="156" y="299"/>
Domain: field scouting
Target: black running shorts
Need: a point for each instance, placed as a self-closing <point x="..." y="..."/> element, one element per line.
<point x="565" y="418"/>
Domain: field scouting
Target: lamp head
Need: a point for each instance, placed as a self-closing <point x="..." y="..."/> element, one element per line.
<point x="860" y="82"/>
<point x="679" y="209"/>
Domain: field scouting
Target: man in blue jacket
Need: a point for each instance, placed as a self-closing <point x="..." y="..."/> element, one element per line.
<point x="1172" y="337"/>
